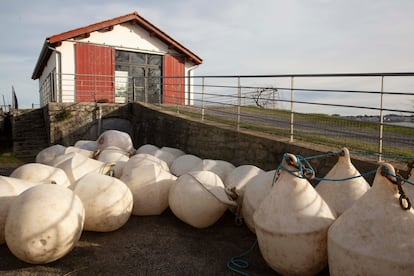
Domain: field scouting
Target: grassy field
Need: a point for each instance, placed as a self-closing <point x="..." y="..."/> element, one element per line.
<point x="319" y="120"/>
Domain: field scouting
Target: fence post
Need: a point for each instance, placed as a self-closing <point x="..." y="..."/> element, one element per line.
<point x="381" y="128"/>
<point x="238" y="103"/>
<point x="202" y="99"/>
<point x="291" y="108"/>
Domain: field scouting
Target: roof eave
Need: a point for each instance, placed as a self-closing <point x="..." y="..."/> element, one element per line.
<point x="42" y="60"/>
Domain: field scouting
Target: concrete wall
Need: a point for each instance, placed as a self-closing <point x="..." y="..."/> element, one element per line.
<point x="150" y="125"/>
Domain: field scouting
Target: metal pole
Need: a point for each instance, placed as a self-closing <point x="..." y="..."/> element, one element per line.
<point x="381" y="128"/>
<point x="202" y="99"/>
<point x="291" y="108"/>
<point x="238" y="103"/>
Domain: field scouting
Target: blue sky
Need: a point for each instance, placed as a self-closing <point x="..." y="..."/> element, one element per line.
<point x="233" y="37"/>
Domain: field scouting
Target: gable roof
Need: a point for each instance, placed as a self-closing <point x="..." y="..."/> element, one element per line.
<point x="57" y="39"/>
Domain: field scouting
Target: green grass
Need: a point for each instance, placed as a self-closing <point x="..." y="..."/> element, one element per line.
<point x="351" y="144"/>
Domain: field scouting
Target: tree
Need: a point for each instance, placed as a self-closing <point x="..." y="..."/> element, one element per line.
<point x="265" y="96"/>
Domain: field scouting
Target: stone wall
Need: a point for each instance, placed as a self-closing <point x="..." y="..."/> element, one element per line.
<point x="147" y="124"/>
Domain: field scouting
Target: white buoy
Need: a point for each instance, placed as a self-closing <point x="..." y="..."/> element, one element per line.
<point x="86" y="145"/>
<point x="185" y="163"/>
<point x="107" y="202"/>
<point x="47" y="155"/>
<point x="115" y="138"/>
<point x="340" y="195"/>
<point x="174" y="151"/>
<point x="147" y="149"/>
<point x="87" y="153"/>
<point x="150" y="185"/>
<point x="112" y="154"/>
<point x="10" y="188"/>
<point x="292" y="223"/>
<point x="375" y="235"/>
<point x="44" y="223"/>
<point x="37" y="172"/>
<point x="77" y="165"/>
<point x="256" y="190"/>
<point x="236" y="181"/>
<point x="219" y="167"/>
<point x="144" y="159"/>
<point x="198" y="198"/>
<point x="165" y="156"/>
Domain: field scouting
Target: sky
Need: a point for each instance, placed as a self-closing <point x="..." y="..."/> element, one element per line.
<point x="243" y="37"/>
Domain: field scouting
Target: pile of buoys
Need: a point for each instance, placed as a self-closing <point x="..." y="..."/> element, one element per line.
<point x="97" y="185"/>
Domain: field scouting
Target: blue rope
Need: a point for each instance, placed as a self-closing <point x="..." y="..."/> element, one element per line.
<point x="237" y="263"/>
<point x="305" y="168"/>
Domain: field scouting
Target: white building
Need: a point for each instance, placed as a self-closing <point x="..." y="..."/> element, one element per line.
<point x="118" y="60"/>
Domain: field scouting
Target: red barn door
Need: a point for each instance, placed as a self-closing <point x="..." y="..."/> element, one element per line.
<point x="95" y="67"/>
<point x="174" y="82"/>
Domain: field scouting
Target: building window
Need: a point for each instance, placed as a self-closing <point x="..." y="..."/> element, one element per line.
<point x="143" y="74"/>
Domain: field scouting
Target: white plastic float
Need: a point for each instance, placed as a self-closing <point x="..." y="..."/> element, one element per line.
<point x="174" y="151"/>
<point x="292" y="223"/>
<point x="112" y="154"/>
<point x="107" y="202"/>
<point x="76" y="165"/>
<point x="47" y="155"/>
<point x="87" y="153"/>
<point x="375" y="235"/>
<point x="147" y="149"/>
<point x="37" y="172"/>
<point x="144" y="159"/>
<point x="115" y="138"/>
<point x="150" y="185"/>
<point x="256" y="190"/>
<point x="86" y="145"/>
<point x="185" y="163"/>
<point x="237" y="180"/>
<point x="340" y="195"/>
<point x="165" y="156"/>
<point x="198" y="198"/>
<point x="44" y="223"/>
<point x="219" y="167"/>
<point x="10" y="188"/>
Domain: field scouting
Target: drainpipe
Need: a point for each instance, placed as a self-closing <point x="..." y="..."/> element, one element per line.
<point x="59" y="55"/>
<point x="189" y="82"/>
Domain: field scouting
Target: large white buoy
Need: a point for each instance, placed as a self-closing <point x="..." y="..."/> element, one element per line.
<point x="86" y="145"/>
<point x="340" y="195"/>
<point x="37" y="172"/>
<point x="150" y="185"/>
<point x="292" y="224"/>
<point x="87" y="153"/>
<point x="198" y="198"/>
<point x="115" y="138"/>
<point x="10" y="187"/>
<point x="107" y="202"/>
<point x="147" y="149"/>
<point x="174" y="151"/>
<point x="257" y="189"/>
<point x="47" y="155"/>
<point x="112" y="154"/>
<point x="44" y="223"/>
<point x="165" y="156"/>
<point x="236" y="181"/>
<point x="144" y="159"/>
<point x="77" y="165"/>
<point x="375" y="235"/>
<point x="221" y="168"/>
<point x="185" y="163"/>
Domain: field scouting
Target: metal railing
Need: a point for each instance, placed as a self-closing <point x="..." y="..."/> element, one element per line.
<point x="368" y="112"/>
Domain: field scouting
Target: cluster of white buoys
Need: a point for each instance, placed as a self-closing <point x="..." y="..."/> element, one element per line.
<point x="300" y="229"/>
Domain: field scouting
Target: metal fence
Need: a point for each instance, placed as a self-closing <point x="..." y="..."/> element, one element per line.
<point x="370" y="112"/>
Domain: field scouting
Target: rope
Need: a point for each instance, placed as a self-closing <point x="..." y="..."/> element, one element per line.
<point x="305" y="170"/>
<point x="237" y="263"/>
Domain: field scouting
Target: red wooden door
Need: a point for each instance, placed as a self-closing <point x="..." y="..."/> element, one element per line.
<point x="174" y="82"/>
<point x="95" y="67"/>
